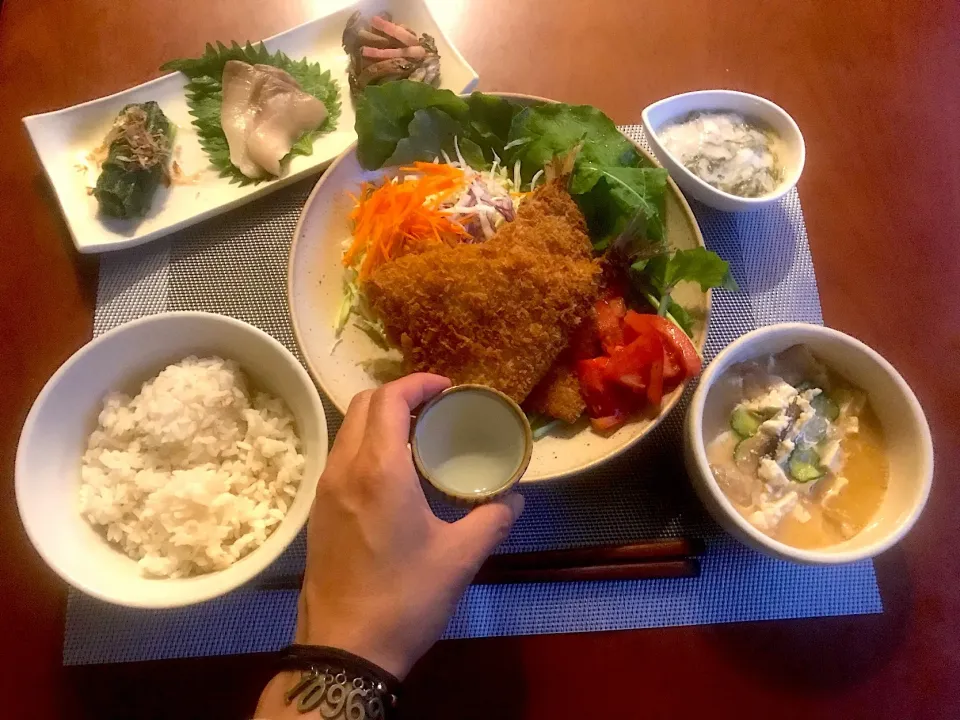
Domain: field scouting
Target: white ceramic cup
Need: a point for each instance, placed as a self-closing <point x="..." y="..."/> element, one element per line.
<point x="471" y="443"/>
<point x="906" y="434"/>
<point x="55" y="434"/>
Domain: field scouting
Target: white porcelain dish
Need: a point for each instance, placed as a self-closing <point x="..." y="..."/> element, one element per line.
<point x="906" y="434"/>
<point x="47" y="476"/>
<point x="673" y="109"/>
<point x="315" y="295"/>
<point x="63" y="138"/>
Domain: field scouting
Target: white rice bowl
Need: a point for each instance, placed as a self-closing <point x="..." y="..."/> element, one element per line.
<point x="194" y="472"/>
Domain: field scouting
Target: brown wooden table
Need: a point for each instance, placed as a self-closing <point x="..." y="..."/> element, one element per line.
<point x="876" y="89"/>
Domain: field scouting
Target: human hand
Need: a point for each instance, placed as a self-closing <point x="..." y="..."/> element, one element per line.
<point x="384" y="574"/>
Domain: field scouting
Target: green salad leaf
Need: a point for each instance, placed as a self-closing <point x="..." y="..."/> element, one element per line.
<point x="697" y="265"/>
<point x="431" y="133"/>
<point x="658" y="275"/>
<point x="681" y="316"/>
<point x="489" y="121"/>
<point x="541" y="132"/>
<point x="384" y="114"/>
<point x="205" y="95"/>
<point x="617" y="200"/>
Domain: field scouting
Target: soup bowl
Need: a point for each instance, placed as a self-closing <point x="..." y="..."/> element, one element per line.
<point x="907" y="440"/>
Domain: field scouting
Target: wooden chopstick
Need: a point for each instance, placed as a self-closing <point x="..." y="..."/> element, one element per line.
<point x="669" y="558"/>
<point x="625" y="571"/>
<point x="598" y="555"/>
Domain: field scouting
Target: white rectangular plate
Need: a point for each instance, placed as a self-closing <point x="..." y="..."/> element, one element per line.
<point x="63" y="138"/>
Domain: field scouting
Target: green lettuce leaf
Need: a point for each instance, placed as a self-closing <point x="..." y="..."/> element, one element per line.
<point x="621" y="200"/>
<point x="681" y="316"/>
<point x="654" y="278"/>
<point x="698" y="265"/>
<point x="384" y="114"/>
<point x="541" y="132"/>
<point x="488" y="123"/>
<point x="205" y="95"/>
<point x="430" y="134"/>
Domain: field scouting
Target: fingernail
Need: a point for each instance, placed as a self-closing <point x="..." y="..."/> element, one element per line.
<point x="516" y="502"/>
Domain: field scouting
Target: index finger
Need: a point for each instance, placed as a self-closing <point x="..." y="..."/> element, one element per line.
<point x="388" y="420"/>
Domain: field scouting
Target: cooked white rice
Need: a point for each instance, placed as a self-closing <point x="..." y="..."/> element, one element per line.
<point x="194" y="472"/>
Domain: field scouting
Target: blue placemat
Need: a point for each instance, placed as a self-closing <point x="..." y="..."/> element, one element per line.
<point x="237" y="266"/>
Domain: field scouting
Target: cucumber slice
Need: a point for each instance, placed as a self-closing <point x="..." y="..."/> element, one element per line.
<point x="745" y="423"/>
<point x="826" y="407"/>
<point x="804" y="464"/>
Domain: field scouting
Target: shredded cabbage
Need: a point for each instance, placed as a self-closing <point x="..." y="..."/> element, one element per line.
<point x="490" y="198"/>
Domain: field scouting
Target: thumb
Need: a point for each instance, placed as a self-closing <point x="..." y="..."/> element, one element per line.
<point x="485" y="527"/>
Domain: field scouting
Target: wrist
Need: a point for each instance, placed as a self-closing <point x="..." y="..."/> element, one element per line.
<point x="318" y="624"/>
<point x="359" y="641"/>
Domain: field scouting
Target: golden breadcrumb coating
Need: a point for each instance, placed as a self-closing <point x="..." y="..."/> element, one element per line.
<point x="496" y="313"/>
<point x="558" y="394"/>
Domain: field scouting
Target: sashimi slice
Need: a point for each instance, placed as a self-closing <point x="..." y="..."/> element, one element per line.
<point x="238" y="112"/>
<point x="286" y="112"/>
<point x="278" y="74"/>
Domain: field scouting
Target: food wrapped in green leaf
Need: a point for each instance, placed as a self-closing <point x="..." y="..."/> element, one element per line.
<point x="138" y="154"/>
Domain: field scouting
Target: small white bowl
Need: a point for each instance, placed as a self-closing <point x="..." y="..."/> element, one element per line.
<point x="672" y="109"/>
<point x="906" y="435"/>
<point x="55" y="434"/>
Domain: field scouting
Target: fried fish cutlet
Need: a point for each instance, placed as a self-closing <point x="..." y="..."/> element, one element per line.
<point x="498" y="313"/>
<point x="558" y="393"/>
<point x="549" y="221"/>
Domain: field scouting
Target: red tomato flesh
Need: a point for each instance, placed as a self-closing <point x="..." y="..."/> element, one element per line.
<point x="675" y="340"/>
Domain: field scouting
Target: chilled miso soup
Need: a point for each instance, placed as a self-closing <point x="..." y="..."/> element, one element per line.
<point x="802" y="455"/>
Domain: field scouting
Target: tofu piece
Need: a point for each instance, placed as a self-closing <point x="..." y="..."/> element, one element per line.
<point x="775" y="425"/>
<point x="850" y="425"/>
<point x="831" y="457"/>
<point x="772" y="512"/>
<point x="777" y="397"/>
<point x="784" y="449"/>
<point x="800" y="513"/>
<point x="772" y="474"/>
<point x="838" y="484"/>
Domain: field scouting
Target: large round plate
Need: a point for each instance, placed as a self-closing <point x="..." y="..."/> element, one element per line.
<point x="315" y="293"/>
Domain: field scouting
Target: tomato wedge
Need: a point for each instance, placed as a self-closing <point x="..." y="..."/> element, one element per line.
<point x="593" y="386"/>
<point x="672" y="374"/>
<point x="675" y="341"/>
<point x="655" y="386"/>
<point x="642" y="357"/>
<point x="630" y="365"/>
<point x="604" y="399"/>
<point x="639" y="365"/>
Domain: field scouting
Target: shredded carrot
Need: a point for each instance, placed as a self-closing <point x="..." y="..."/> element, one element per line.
<point x="404" y="216"/>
